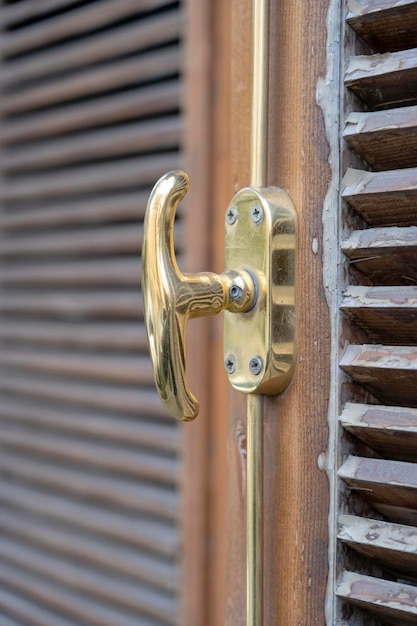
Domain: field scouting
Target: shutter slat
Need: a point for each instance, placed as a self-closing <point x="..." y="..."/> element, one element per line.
<point x="135" y="370"/>
<point x="68" y="602"/>
<point x="120" y="41"/>
<point x="27" y="612"/>
<point x="386" y="314"/>
<point x="146" y="101"/>
<point x="114" y="559"/>
<point x="389" y="372"/>
<point x="104" y="427"/>
<point x="74" y="305"/>
<point x="132" y="172"/>
<point x="103" y="490"/>
<point x="394" y="546"/>
<point x="22" y="11"/>
<point x="72" y="23"/>
<point x="121" y="336"/>
<point x="393" y="603"/>
<point x="384" y="81"/>
<point x="153" y="66"/>
<point x="123" y="273"/>
<point x="101" y="209"/>
<point x="383" y="198"/>
<point x="106" y="458"/>
<point x="386" y="256"/>
<point x="384" y="25"/>
<point x="136" y="531"/>
<point x="390" y="486"/>
<point x="385" y="139"/>
<point x="139" y="402"/>
<point x="129" y="139"/>
<point x="391" y="431"/>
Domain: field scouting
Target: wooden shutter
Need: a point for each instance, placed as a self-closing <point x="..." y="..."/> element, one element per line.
<point x="89" y="463"/>
<point x="378" y="509"/>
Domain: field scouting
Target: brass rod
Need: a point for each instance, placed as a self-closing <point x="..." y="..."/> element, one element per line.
<point x="254" y="433"/>
<point x="260" y="71"/>
<point x="254" y="508"/>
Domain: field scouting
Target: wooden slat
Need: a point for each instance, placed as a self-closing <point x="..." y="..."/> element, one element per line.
<point x="133" y="37"/>
<point x="385" y="139"/>
<point x="387" y="256"/>
<point x="109" y="336"/>
<point x="78" y="241"/>
<point x="134" y="530"/>
<point x="383" y="198"/>
<point x="117" y="272"/>
<point x="152" y="66"/>
<point x="388" y="372"/>
<point x="145" y="101"/>
<point x="163" y="134"/>
<point x="114" y="559"/>
<point x="392" y="603"/>
<point x="14" y="13"/>
<point x="386" y="314"/>
<point x="131" y="495"/>
<point x="28" y="612"/>
<point x="138" y="402"/>
<point x="104" y="426"/>
<point x="393" y="546"/>
<point x="102" y="585"/>
<point x="136" y="370"/>
<point x="74" y="305"/>
<point x="105" y="458"/>
<point x="133" y="172"/>
<point x="384" y="80"/>
<point x="66" y="601"/>
<point x="391" y="431"/>
<point x="101" y="209"/>
<point x="390" y="486"/>
<point x="76" y="22"/>
<point x="384" y="25"/>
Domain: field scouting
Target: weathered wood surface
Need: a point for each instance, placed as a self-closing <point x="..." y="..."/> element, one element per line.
<point x="391" y="602"/>
<point x="384" y="139"/>
<point x="393" y="546"/>
<point x="391" y="431"/>
<point x="386" y="314"/>
<point x="384" y="81"/>
<point x="390" y="486"/>
<point x="123" y="40"/>
<point x="384" y="25"/>
<point x="386" y="198"/>
<point x="386" y="256"/>
<point x="388" y="372"/>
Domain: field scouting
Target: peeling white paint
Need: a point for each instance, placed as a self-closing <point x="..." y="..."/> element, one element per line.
<point x="315" y="245"/>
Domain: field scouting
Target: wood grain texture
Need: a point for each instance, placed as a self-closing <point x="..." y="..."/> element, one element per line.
<point x="296" y="490"/>
<point x="383" y="24"/>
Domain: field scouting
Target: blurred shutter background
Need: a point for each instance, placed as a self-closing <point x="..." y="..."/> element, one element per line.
<point x="89" y="463"/>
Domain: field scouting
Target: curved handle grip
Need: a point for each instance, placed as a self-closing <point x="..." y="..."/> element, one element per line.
<point x="171" y="297"/>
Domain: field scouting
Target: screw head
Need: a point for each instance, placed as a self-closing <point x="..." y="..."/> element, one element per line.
<point x="256" y="365"/>
<point x="230" y="363"/>
<point x="235" y="292"/>
<point x="257" y="213"/>
<point x="231" y="215"/>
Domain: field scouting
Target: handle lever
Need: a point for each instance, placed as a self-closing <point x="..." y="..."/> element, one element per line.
<point x="171" y="298"/>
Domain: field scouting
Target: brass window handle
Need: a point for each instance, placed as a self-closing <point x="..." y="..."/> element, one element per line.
<point x="256" y="290"/>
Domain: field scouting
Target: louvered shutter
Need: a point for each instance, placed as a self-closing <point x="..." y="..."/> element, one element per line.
<point x="89" y="463"/>
<point x="378" y="509"/>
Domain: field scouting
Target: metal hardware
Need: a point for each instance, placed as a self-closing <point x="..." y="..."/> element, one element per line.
<point x="255" y="365"/>
<point x="231" y="215"/>
<point x="230" y="364"/>
<point x="257" y="213"/>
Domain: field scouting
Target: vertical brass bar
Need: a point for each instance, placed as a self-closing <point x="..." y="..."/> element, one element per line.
<point x="260" y="69"/>
<point x="254" y="507"/>
<point x="254" y="467"/>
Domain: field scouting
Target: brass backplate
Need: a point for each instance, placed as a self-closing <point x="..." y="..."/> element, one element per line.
<point x="261" y="237"/>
